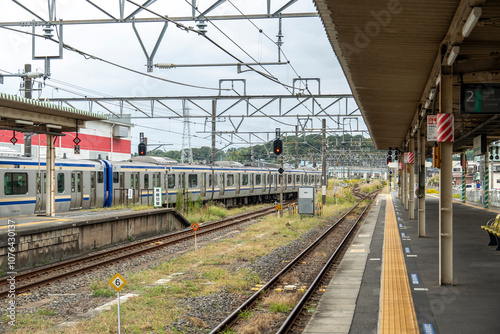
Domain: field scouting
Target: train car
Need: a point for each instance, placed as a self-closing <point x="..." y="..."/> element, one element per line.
<point x="84" y="184"/>
<point x="23" y="182"/>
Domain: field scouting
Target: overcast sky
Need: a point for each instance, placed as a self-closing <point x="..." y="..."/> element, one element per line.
<point x="305" y="45"/>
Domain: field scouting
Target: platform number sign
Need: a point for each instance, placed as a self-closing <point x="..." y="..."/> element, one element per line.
<point x="117" y="282"/>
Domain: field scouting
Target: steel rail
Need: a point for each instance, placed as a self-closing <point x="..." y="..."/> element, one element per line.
<point x="252" y="299"/>
<point x="287" y="324"/>
<point x="174" y="238"/>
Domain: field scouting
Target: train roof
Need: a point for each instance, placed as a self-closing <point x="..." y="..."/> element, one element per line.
<point x="154" y="160"/>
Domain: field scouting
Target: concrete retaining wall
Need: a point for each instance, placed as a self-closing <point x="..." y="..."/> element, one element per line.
<point x="52" y="244"/>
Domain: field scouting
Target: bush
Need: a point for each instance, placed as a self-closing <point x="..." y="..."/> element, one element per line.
<point x="432" y="191"/>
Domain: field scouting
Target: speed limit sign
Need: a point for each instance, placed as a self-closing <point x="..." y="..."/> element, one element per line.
<point x="117" y="282"/>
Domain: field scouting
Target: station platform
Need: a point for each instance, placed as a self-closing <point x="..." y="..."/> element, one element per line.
<point x="388" y="281"/>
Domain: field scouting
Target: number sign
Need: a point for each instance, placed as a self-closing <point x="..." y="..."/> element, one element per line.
<point x="481" y="98"/>
<point x="117" y="282"/>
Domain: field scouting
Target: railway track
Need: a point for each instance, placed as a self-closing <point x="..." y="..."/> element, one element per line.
<point x="312" y="267"/>
<point x="43" y="276"/>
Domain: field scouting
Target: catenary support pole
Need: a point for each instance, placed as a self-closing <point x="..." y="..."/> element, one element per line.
<point x="411" y="183"/>
<point x="445" y="188"/>
<point x="324" y="178"/>
<point x="421" y="183"/>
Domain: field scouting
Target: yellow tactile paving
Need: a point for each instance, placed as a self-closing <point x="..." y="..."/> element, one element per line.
<point x="397" y="312"/>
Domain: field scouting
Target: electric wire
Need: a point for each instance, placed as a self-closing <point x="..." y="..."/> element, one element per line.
<point x="90" y="56"/>
<point x="183" y="27"/>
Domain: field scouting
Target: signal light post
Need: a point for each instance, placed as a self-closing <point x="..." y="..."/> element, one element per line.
<point x="278" y="149"/>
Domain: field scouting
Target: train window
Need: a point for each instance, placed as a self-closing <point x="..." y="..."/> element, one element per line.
<point x="100" y="177"/>
<point x="116" y="177"/>
<point x="79" y="182"/>
<point x="251" y="178"/>
<point x="182" y="180"/>
<point x="72" y="182"/>
<point x="244" y="180"/>
<point x="60" y="183"/>
<point x="289" y="179"/>
<point x="210" y="180"/>
<point x="146" y="181"/>
<point x="216" y="179"/>
<point x="258" y="179"/>
<point x="15" y="183"/>
<point x="171" y="181"/>
<point x="297" y="179"/>
<point x="192" y="180"/>
<point x="158" y="177"/>
<point x="230" y="179"/>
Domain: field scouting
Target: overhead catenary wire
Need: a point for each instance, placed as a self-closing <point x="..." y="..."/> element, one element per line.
<point x="90" y="56"/>
<point x="183" y="27"/>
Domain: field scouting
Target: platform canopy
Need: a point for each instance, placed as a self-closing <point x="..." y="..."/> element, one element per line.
<point x="28" y="115"/>
<point x="392" y="53"/>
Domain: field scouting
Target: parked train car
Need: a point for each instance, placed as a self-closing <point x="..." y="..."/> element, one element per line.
<point x="84" y="184"/>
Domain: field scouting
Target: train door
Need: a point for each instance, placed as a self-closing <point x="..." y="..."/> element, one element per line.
<point x="238" y="183"/>
<point x="222" y="182"/>
<point x="203" y="185"/>
<point x="134" y="185"/>
<point x="76" y="191"/>
<point x="41" y="191"/>
<point x="93" y="194"/>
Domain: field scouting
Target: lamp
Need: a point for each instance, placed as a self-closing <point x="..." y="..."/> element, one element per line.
<point x="53" y="126"/>
<point x="471" y="21"/>
<point x="427" y="104"/>
<point x="432" y="93"/>
<point x="23" y="122"/>
<point x="453" y="55"/>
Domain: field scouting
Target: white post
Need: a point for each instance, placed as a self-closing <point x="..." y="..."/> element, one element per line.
<point x="118" y="302"/>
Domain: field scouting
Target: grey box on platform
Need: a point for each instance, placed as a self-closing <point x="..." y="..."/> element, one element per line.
<point x="306" y="200"/>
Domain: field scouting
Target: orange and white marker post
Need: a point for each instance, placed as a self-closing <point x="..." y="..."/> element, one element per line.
<point x="195" y="227"/>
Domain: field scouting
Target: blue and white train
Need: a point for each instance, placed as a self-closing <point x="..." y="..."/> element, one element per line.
<point x="85" y="184"/>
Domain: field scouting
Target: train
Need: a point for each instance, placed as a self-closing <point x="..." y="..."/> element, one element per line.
<point x="86" y="184"/>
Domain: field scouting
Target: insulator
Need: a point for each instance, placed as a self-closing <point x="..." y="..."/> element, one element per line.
<point x="48" y="31"/>
<point x="33" y="75"/>
<point x="202" y="27"/>
<point x="497" y="157"/>
<point x="164" y="65"/>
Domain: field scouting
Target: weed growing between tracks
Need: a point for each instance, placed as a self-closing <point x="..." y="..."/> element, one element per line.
<point x="216" y="267"/>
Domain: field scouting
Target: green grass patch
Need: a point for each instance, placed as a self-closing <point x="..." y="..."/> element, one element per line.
<point x="280" y="308"/>
<point x="103" y="293"/>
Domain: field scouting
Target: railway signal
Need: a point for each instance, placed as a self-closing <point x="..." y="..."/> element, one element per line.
<point x="142" y="149"/>
<point x="278" y="146"/>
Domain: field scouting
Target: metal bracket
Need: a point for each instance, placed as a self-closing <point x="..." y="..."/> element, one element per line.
<point x="150" y="57"/>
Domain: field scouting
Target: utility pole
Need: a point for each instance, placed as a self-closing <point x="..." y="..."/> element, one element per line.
<point x="296" y="146"/>
<point x="323" y="164"/>
<point x="212" y="150"/>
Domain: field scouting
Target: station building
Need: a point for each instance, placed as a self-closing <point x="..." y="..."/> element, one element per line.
<point x="103" y="139"/>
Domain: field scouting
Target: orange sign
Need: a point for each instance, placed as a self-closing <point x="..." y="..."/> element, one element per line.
<point x="195" y="226"/>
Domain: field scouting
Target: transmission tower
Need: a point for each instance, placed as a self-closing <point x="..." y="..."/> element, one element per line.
<point x="187" y="152"/>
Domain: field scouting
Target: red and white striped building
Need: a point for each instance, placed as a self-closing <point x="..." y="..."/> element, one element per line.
<point x="98" y="140"/>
